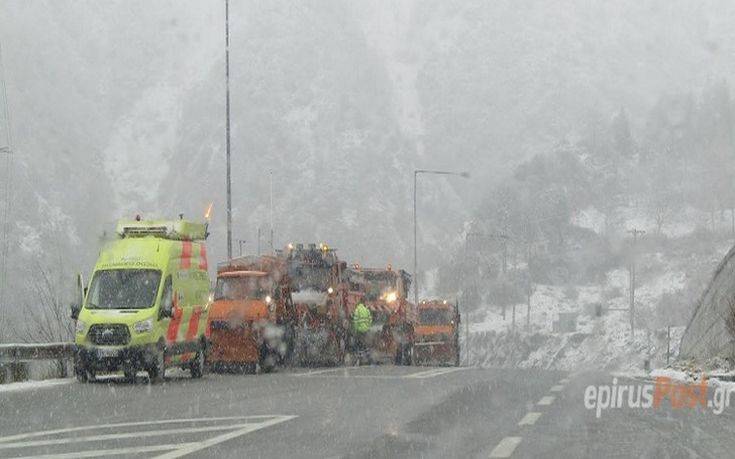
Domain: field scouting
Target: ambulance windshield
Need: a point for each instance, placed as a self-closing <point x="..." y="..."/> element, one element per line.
<point x="124" y="289"/>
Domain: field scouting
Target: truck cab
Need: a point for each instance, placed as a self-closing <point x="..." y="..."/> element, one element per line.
<point x="146" y="304"/>
<point x="437" y="333"/>
<point x="251" y="319"/>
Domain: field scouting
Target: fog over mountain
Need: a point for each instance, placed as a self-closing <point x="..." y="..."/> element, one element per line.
<point x="117" y="108"/>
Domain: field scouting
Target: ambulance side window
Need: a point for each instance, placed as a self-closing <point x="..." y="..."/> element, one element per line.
<point x="167" y="298"/>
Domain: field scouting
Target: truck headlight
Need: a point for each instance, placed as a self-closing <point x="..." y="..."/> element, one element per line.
<point x="80" y="327"/>
<point x="143" y="326"/>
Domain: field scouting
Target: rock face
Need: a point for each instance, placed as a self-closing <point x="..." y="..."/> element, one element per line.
<point x="711" y="331"/>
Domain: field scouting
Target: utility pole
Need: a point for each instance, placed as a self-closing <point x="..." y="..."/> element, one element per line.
<point x="259" y="241"/>
<point x="227" y="103"/>
<point x="635" y="232"/>
<point x="7" y="152"/>
<point x="415" y="245"/>
<point x="240" y="243"/>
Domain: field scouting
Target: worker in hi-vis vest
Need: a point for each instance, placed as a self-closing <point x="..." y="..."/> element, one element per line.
<point x="362" y="320"/>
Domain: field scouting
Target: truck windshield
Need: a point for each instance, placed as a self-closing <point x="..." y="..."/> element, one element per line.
<point x="124" y="289"/>
<point x="243" y="288"/>
<point x="435" y="316"/>
<point x="311" y="278"/>
<point x="379" y="283"/>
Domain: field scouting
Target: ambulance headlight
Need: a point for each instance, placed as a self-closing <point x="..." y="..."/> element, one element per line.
<point x="81" y="326"/>
<point x="143" y="326"/>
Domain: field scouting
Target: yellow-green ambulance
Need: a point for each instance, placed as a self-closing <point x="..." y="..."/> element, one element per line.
<point x="146" y="304"/>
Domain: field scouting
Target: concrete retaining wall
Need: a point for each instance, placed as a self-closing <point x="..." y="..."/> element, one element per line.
<point x="708" y="334"/>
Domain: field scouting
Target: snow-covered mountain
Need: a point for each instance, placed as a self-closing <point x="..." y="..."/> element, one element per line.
<point x="118" y="107"/>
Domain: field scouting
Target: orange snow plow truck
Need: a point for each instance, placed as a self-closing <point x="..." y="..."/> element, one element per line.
<point x="437" y="333"/>
<point x="251" y="321"/>
<point x="384" y="292"/>
<point x="320" y="299"/>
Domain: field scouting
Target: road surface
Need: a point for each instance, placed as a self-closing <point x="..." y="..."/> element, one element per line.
<point x="351" y="412"/>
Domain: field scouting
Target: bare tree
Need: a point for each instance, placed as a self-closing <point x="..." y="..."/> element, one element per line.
<point x="48" y="313"/>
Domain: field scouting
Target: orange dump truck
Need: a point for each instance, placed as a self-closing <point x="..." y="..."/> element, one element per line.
<point x="251" y="321"/>
<point x="437" y="333"/>
<point x="320" y="299"/>
<point x="384" y="292"/>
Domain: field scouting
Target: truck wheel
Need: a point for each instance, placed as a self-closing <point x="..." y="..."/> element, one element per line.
<point x="82" y="375"/>
<point x="157" y="369"/>
<point x="197" y="365"/>
<point x="400" y="358"/>
<point x="267" y="360"/>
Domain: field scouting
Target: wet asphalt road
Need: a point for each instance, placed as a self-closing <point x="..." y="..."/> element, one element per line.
<point x="355" y="412"/>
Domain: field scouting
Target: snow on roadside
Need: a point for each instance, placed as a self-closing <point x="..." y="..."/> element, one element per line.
<point x="33" y="385"/>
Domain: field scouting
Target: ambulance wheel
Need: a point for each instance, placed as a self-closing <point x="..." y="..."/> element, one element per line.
<point x="130" y="374"/>
<point x="157" y="370"/>
<point x="83" y="375"/>
<point x="197" y="365"/>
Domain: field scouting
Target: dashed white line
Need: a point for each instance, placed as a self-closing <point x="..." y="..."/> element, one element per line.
<point x="506" y="447"/>
<point x="557" y="388"/>
<point x="564" y="381"/>
<point x="546" y="400"/>
<point x="530" y="419"/>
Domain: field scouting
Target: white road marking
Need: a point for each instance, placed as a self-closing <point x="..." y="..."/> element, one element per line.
<point x="189" y="449"/>
<point x="546" y="400"/>
<point x="558" y="388"/>
<point x="506" y="447"/>
<point x="529" y="419"/>
<point x="122" y="435"/>
<point x="319" y="372"/>
<point x="433" y="373"/>
<point x="128" y="424"/>
<point x="34" y="385"/>
<point x="111" y="452"/>
<point x="564" y="381"/>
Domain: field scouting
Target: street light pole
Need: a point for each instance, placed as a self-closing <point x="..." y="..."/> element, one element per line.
<point x="415" y="244"/>
<point x="227" y="109"/>
<point x="416" y="173"/>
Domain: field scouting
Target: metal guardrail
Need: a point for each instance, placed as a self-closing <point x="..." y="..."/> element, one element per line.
<point x="15" y="359"/>
<point x="12" y="353"/>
